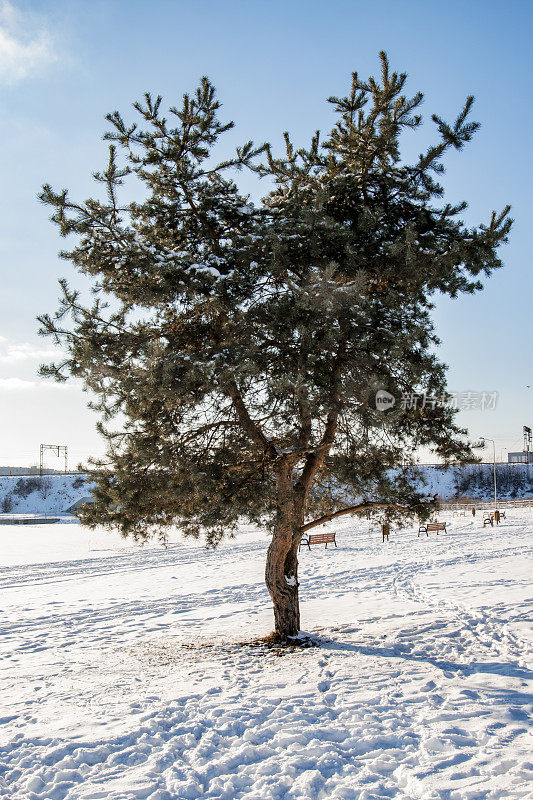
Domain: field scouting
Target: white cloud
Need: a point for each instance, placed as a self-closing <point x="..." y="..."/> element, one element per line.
<point x="18" y="363"/>
<point x="12" y="353"/>
<point x="22" y="385"/>
<point x="26" y="47"/>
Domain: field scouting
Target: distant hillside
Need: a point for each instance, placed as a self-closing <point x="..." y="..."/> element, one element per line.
<point x="49" y="494"/>
<point x="477" y="481"/>
<point x="54" y="494"/>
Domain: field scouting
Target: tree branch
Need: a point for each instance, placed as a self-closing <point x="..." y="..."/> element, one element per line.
<point x="364" y="506"/>
<point x="251" y="427"/>
<point x="315" y="460"/>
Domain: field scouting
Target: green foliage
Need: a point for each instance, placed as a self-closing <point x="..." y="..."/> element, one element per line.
<point x="227" y="336"/>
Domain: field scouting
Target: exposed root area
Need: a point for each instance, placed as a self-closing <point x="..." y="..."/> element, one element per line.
<point x="276" y="641"/>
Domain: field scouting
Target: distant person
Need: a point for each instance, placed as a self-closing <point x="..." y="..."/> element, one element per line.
<point x="497" y="517"/>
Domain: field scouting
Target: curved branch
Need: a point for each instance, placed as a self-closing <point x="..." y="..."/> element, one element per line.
<point x="250" y="426"/>
<point x="364" y="506"/>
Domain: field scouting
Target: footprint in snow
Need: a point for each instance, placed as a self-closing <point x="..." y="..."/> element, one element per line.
<point x="470" y="693"/>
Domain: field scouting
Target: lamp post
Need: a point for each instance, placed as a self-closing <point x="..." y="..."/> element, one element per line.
<point x="484" y="438"/>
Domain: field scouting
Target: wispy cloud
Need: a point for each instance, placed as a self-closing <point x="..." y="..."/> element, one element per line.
<point x="26" y="46"/>
<point x="18" y="363"/>
<point x="14" y="353"/>
<point x="22" y="385"/>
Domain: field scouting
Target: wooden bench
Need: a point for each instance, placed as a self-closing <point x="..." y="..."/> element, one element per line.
<point x="489" y="518"/>
<point x="319" y="538"/>
<point x="432" y="526"/>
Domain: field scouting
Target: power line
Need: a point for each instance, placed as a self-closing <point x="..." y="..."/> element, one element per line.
<point x="59" y="448"/>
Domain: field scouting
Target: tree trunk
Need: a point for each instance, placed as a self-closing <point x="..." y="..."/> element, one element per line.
<point x="281" y="574"/>
<point x="282" y="581"/>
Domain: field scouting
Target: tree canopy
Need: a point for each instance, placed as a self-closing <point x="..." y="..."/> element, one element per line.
<point x="235" y="348"/>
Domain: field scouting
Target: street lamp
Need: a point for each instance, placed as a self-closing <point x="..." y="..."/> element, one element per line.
<point x="484" y="438"/>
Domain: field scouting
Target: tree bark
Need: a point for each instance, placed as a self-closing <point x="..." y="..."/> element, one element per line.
<point x="281" y="574"/>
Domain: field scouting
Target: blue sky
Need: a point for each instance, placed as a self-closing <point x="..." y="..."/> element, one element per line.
<point x="64" y="64"/>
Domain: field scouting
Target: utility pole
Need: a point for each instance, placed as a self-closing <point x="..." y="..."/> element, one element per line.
<point x="58" y="448"/>
<point x="494" y="454"/>
<point x="527" y="441"/>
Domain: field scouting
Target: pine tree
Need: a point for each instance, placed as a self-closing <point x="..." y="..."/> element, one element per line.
<point x="235" y="348"/>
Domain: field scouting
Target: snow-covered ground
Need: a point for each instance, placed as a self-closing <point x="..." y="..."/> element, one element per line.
<point x="123" y="675"/>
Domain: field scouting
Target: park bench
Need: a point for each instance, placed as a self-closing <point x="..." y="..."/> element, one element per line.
<point x="489" y="518"/>
<point x="319" y="538"/>
<point x="490" y="515"/>
<point x="432" y="526"/>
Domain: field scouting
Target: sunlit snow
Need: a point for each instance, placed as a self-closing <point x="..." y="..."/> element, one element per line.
<point x="123" y="675"/>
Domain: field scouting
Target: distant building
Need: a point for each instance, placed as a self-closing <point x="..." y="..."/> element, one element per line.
<point x="77" y="505"/>
<point x="524" y="457"/>
<point x="6" y="471"/>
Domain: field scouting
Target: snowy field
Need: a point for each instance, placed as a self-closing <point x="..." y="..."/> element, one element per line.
<point x="123" y="675"/>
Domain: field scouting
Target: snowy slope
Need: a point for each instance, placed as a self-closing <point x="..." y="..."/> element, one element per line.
<point x="54" y="494"/>
<point x="51" y="494"/>
<point x="124" y="676"/>
<point x="477" y="480"/>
